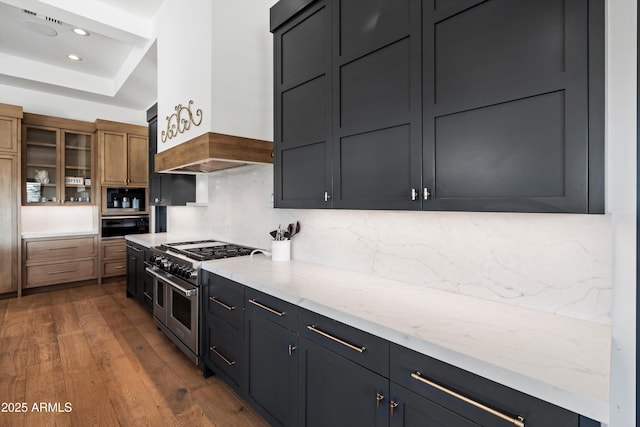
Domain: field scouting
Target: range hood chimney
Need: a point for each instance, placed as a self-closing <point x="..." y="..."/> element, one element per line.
<point x="211" y="152"/>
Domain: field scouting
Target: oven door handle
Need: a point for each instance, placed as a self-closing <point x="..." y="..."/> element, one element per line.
<point x="186" y="292"/>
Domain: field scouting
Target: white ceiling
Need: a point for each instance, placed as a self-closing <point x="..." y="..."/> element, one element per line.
<point x="118" y="64"/>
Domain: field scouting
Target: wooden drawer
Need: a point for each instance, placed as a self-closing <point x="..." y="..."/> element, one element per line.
<point x="224" y="299"/>
<point x="64" y="248"/>
<point x="114" y="250"/>
<point x="114" y="268"/>
<point x="363" y="348"/>
<point x="272" y="308"/>
<point x="60" y="272"/>
<point x="423" y="374"/>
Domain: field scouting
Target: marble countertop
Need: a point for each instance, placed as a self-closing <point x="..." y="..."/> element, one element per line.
<point x="558" y="359"/>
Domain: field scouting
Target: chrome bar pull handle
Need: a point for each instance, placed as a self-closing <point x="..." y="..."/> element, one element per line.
<point x="292" y="348"/>
<point x="379" y="399"/>
<point x="517" y="421"/>
<point x="269" y="309"/>
<point x="327" y="196"/>
<point x="414" y="194"/>
<point x="227" y="361"/>
<point x="359" y="349"/>
<point x="426" y="194"/>
<point x="217" y="301"/>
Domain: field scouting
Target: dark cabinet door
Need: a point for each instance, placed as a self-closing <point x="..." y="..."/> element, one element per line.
<point x="506" y="105"/>
<point x="132" y="273"/>
<point x="376" y="104"/>
<point x="409" y="409"/>
<point x="334" y="391"/>
<point x="272" y="375"/>
<point x="303" y="110"/>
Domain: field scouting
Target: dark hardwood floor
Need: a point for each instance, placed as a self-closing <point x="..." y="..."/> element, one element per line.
<point x="89" y="356"/>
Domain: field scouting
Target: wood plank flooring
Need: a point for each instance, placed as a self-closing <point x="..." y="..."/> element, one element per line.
<point x="88" y="356"/>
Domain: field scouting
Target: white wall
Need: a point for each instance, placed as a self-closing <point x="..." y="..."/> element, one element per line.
<point x="217" y="54"/>
<point x="621" y="190"/>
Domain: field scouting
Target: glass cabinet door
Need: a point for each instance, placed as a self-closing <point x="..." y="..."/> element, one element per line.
<point x="78" y="167"/>
<point x="41" y="165"/>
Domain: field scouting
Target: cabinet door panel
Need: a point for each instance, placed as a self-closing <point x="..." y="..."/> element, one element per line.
<point x="9" y="134"/>
<point x="505" y="151"/>
<point x="373" y="167"/>
<point x="304" y="114"/>
<point x="272" y="374"/>
<point x="376" y="89"/>
<point x="337" y="392"/>
<point x="223" y="349"/>
<point x="304" y="175"/>
<point x="493" y="51"/>
<point x="8" y="224"/>
<point x="114" y="165"/>
<point x="304" y="48"/>
<point x="138" y="168"/>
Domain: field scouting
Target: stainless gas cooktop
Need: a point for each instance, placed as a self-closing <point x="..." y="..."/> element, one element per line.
<point x="205" y="250"/>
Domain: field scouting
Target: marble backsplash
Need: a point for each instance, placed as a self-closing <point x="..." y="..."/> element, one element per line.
<point x="558" y="263"/>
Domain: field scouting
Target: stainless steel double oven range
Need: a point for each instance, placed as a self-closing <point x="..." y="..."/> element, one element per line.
<point x="175" y="268"/>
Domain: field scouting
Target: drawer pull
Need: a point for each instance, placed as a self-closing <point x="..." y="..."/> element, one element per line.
<point x="227" y="361"/>
<point x="269" y="309"/>
<point x="313" y="328"/>
<point x="518" y="421"/>
<point x="146" y="295"/>
<point x="120" y="267"/>
<point x="130" y="247"/>
<point x="217" y="301"/>
<point x="63" y="248"/>
<point x="63" y="271"/>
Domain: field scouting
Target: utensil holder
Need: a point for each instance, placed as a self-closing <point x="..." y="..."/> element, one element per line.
<point x="280" y="250"/>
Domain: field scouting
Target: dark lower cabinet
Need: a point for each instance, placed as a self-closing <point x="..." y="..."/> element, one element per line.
<point x="222" y="343"/>
<point x="139" y="283"/>
<point x="272" y="376"/>
<point x="334" y="391"/>
<point x="298" y="368"/>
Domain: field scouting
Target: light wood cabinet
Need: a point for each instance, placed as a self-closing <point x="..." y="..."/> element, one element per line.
<point x="10" y="123"/>
<point x="58" y="260"/>
<point x="123" y="154"/>
<point x="114" y="257"/>
<point x="58" y="160"/>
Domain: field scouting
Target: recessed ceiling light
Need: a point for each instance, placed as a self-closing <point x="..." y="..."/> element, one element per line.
<point x="74" y="57"/>
<point x="80" y="32"/>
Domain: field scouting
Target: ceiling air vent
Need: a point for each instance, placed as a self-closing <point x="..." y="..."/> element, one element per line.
<point x="45" y="18"/>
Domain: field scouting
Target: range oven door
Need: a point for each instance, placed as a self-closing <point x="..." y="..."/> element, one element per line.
<point x="175" y="306"/>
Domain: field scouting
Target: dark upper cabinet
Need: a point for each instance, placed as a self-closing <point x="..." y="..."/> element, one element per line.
<point x="458" y="105"/>
<point x="303" y="103"/>
<point x="166" y="189"/>
<point x="505" y="106"/>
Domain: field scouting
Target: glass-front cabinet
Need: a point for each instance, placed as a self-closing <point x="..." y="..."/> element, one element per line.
<point x="58" y="165"/>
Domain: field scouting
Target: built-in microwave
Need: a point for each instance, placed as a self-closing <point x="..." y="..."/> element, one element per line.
<point x="119" y="226"/>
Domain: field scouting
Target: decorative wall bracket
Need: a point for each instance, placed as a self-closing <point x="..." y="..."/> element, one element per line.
<point x="181" y="120"/>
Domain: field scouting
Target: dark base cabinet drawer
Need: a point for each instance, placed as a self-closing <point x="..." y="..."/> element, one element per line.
<point x="434" y="380"/>
<point x="224" y="298"/>
<point x="363" y="348"/>
<point x="272" y="308"/>
<point x="223" y="352"/>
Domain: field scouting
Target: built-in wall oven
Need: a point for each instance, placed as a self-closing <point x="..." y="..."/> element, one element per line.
<point x="121" y="225"/>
